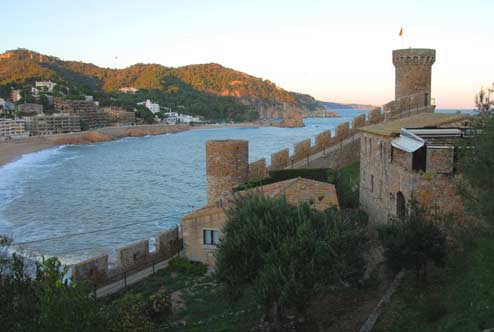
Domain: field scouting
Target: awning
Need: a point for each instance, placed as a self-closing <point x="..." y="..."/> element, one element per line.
<point x="408" y="141"/>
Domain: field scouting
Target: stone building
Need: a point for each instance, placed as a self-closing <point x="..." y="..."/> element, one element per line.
<point x="12" y="129"/>
<point x="413" y="73"/>
<point x="202" y="229"/>
<point x="410" y="155"/>
<point x="227" y="167"/>
<point x="89" y="113"/>
<point x="117" y="114"/>
<point x="30" y="109"/>
<point x="53" y="124"/>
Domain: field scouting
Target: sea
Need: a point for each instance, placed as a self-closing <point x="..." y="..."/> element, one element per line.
<point x="80" y="201"/>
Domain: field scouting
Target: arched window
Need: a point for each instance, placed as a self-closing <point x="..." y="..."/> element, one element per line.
<point x="400" y="205"/>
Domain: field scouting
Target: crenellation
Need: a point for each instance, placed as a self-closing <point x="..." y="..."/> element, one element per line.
<point x="280" y="159"/>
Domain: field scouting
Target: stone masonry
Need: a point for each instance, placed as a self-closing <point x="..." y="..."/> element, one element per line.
<point x="413" y="71"/>
<point x="227" y="166"/>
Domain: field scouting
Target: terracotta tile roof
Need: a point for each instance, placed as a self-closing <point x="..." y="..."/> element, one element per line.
<point x="417" y="121"/>
<point x="298" y="190"/>
<point x="321" y="194"/>
<point x="207" y="210"/>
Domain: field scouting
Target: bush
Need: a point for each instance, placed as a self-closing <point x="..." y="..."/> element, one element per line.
<point x="288" y="252"/>
<point x="183" y="265"/>
<point x="347" y="184"/>
<point x="413" y="241"/>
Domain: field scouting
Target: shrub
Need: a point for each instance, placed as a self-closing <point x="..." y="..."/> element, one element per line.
<point x="288" y="252"/>
<point x="413" y="241"/>
<point x="183" y="265"/>
<point x="347" y="184"/>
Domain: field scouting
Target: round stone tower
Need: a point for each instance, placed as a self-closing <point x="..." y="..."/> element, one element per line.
<point x="227" y="165"/>
<point x="413" y="72"/>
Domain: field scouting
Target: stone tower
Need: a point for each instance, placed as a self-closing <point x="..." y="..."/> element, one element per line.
<point x="227" y="165"/>
<point x="413" y="72"/>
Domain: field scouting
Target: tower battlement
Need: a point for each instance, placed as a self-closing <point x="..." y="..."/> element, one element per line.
<point x="414" y="56"/>
<point x="413" y="68"/>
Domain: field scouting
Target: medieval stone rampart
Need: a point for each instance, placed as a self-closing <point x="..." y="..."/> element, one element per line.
<point x="257" y="170"/>
<point x="130" y="259"/>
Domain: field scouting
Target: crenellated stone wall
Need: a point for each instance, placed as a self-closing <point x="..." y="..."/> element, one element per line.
<point x="323" y="140"/>
<point x="280" y="159"/>
<point x="302" y="150"/>
<point x="95" y="268"/>
<point x="375" y="116"/>
<point x="130" y="259"/>
<point x="358" y="121"/>
<point x="257" y="170"/>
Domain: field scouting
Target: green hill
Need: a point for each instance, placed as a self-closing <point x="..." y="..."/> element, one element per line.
<point x="210" y="90"/>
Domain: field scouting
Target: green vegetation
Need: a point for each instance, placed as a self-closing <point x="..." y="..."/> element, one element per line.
<point x="208" y="90"/>
<point x="198" y="303"/>
<point x="477" y="162"/>
<point x="413" y="241"/>
<point x="458" y="298"/>
<point x="288" y="253"/>
<point x="183" y="265"/>
<point x="347" y="184"/>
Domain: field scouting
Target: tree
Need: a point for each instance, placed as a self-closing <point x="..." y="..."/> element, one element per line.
<point x="288" y="253"/>
<point x="413" y="241"/>
<point x="477" y="159"/>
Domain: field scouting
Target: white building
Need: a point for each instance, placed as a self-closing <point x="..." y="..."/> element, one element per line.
<point x="154" y="108"/>
<point x="173" y="118"/>
<point x="12" y="129"/>
<point x="46" y="85"/>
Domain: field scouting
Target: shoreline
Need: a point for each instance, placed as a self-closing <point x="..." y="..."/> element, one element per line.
<point x="14" y="150"/>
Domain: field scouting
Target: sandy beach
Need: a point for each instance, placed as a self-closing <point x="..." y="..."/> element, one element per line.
<point x="13" y="150"/>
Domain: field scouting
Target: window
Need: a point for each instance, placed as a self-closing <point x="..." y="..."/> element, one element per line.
<point x="372" y="183"/>
<point x="210" y="237"/>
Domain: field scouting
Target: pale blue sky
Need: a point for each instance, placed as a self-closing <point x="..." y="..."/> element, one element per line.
<point x="333" y="50"/>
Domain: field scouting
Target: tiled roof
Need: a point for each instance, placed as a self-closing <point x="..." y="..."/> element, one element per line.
<point x="322" y="195"/>
<point x="422" y="120"/>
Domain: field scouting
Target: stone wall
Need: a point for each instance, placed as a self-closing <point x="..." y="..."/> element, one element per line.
<point x="302" y="150"/>
<point x="130" y="259"/>
<point x="413" y="71"/>
<point x="375" y="116"/>
<point x="280" y="159"/>
<point x="227" y="166"/>
<point x="359" y="121"/>
<point x="168" y="243"/>
<point x="323" y="140"/>
<point x="257" y="170"/>
<point x="385" y="172"/>
<point x="439" y="160"/>
<point x="192" y="230"/>
<point x="95" y="268"/>
<point x="133" y="253"/>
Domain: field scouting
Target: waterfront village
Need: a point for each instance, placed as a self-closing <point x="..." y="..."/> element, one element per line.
<point x="368" y="174"/>
<point x="20" y="119"/>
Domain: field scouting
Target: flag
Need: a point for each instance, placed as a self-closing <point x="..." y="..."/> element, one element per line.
<point x="401" y="32"/>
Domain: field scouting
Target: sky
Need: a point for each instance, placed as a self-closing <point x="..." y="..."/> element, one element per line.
<point x="333" y="50"/>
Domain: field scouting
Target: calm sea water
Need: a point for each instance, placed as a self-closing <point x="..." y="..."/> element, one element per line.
<point x="105" y="188"/>
<point x="154" y="180"/>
